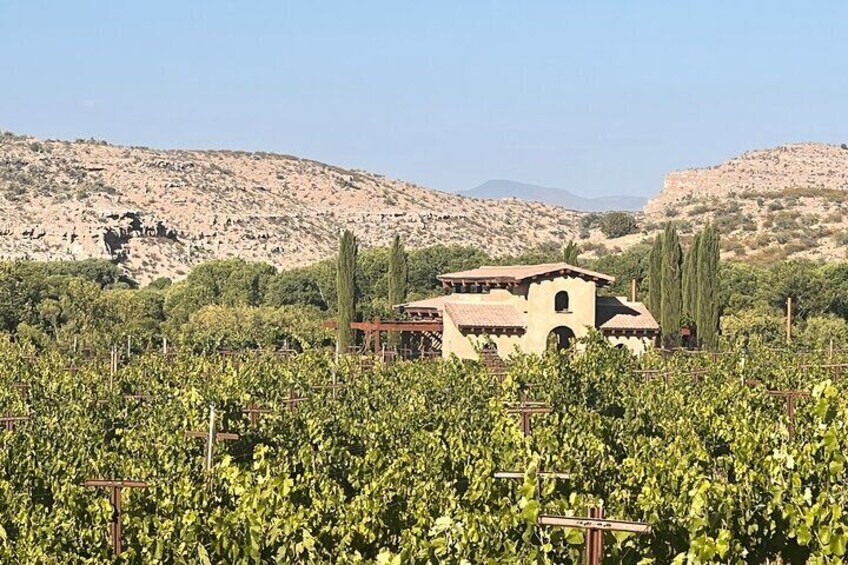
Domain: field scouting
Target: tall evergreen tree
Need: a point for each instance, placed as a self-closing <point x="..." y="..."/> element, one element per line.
<point x="708" y="289"/>
<point x="691" y="281"/>
<point x="346" y="289"/>
<point x="672" y="292"/>
<point x="398" y="278"/>
<point x="569" y="254"/>
<point x="655" y="260"/>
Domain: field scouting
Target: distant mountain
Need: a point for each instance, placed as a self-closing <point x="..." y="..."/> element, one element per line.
<point x="493" y="189"/>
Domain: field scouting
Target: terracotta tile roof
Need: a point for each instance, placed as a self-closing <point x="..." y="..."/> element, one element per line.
<point x="617" y="313"/>
<point x="519" y="273"/>
<point x="485" y="316"/>
<point x="436" y="303"/>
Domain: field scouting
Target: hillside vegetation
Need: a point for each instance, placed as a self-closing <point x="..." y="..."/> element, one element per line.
<point x="769" y="204"/>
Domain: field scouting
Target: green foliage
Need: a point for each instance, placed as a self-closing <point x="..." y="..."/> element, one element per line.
<point x="822" y="332"/>
<point x="766" y="324"/>
<point x="138" y="314"/>
<point x="708" y="290"/>
<point x="346" y="289"/>
<point x="398" y="280"/>
<point x="398" y="467"/>
<point x="160" y="284"/>
<point x="398" y="273"/>
<point x="251" y="327"/>
<point x="569" y="253"/>
<point x="296" y="286"/>
<point x="618" y="224"/>
<point x="803" y="281"/>
<point x="429" y="262"/>
<point x="671" y="299"/>
<point x="655" y="262"/>
<point x="740" y="285"/>
<point x="626" y="266"/>
<point x="691" y="280"/>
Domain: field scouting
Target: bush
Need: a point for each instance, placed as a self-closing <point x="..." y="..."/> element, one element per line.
<point x="250" y="327"/>
<point x="764" y="323"/>
<point x="618" y="224"/>
<point x="820" y="330"/>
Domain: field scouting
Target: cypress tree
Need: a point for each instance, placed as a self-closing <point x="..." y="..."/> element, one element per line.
<point x="672" y="298"/>
<point x="655" y="277"/>
<point x="346" y="289"/>
<point x="569" y="254"/>
<point x="691" y="281"/>
<point x="708" y="306"/>
<point x="398" y="277"/>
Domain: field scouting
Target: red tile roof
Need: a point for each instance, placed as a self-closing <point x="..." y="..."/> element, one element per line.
<point x="436" y="303"/>
<point x="520" y="273"/>
<point x="480" y="316"/>
<point x="616" y="313"/>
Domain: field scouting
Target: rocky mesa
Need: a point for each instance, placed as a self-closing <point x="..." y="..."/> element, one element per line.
<point x="770" y="204"/>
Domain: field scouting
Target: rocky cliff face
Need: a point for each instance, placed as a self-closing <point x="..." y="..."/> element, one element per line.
<point x="160" y="212"/>
<point x="809" y="166"/>
<point x="769" y="204"/>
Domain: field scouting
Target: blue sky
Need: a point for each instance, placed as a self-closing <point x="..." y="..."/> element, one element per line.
<point x="595" y="97"/>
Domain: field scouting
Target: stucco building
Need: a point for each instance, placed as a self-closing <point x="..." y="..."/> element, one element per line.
<point x="529" y="308"/>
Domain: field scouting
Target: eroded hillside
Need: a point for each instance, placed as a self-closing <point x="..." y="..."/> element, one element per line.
<point x="159" y="212"/>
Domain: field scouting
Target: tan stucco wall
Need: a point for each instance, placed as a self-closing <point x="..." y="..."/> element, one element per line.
<point x="535" y="300"/>
<point x="542" y="316"/>
<point x="463" y="345"/>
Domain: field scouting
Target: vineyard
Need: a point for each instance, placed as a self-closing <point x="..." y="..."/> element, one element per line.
<point x="319" y="461"/>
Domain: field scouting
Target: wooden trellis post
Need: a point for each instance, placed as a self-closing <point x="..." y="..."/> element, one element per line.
<point x="526" y="409"/>
<point x="211" y="438"/>
<point x="115" y="487"/>
<point x="595" y="525"/>
<point x="790" y="396"/>
<point x="290" y="403"/>
<point x="21" y="387"/>
<point x="788" y="319"/>
<point x="137" y="396"/>
<point x="632" y="290"/>
<point x="333" y="387"/>
<point x="10" y="422"/>
<point x="254" y="411"/>
<point x="113" y="365"/>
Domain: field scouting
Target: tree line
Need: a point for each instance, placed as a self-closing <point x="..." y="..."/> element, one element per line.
<point x="235" y="303"/>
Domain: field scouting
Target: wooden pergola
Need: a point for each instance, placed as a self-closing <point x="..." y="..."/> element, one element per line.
<point x="377" y="326"/>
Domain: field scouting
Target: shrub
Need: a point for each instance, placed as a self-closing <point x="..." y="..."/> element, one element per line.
<point x="618" y="224"/>
<point x="820" y="330"/>
<point x="762" y="322"/>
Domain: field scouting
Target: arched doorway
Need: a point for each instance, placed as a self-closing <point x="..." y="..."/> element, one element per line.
<point x="560" y="338"/>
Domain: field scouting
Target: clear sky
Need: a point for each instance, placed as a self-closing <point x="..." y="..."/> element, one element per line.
<point x="598" y="97"/>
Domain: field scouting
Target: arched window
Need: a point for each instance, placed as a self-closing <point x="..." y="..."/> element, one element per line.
<point x="561" y="301"/>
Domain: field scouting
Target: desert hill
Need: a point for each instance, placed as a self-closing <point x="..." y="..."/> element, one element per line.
<point x="770" y="204"/>
<point x="159" y="212"/>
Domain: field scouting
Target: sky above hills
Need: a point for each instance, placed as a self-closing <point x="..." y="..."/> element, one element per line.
<point x="598" y="98"/>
